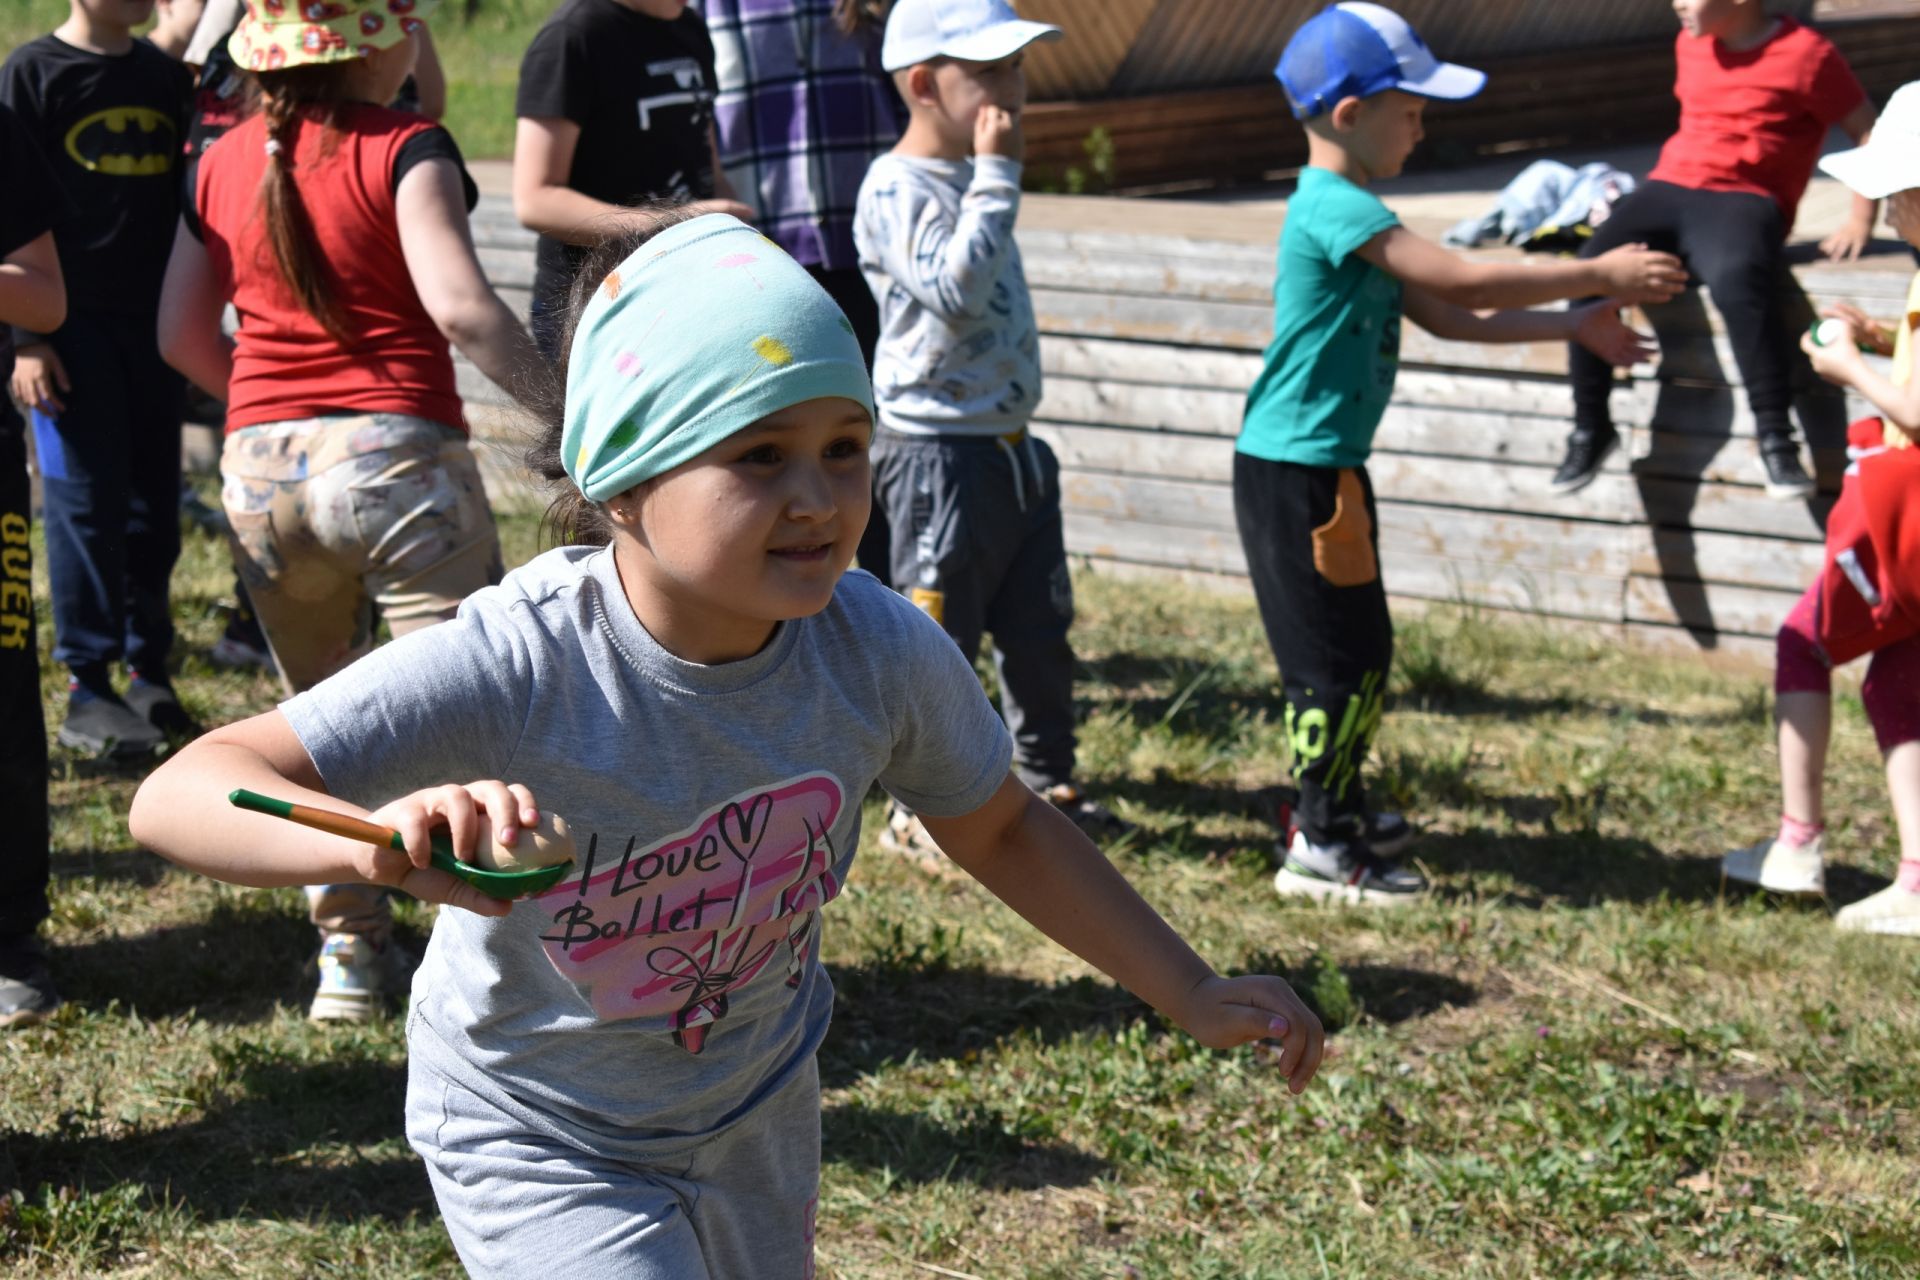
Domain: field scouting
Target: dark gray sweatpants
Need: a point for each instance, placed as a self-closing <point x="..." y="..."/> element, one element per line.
<point x="977" y="543"/>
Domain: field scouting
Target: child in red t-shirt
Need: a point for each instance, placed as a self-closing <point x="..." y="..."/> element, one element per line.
<point x="1757" y="96"/>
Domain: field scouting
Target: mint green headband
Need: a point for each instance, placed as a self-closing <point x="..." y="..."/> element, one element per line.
<point x="707" y="328"/>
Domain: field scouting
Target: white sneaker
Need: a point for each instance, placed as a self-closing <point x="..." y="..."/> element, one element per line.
<point x="1779" y="867"/>
<point x="355" y="977"/>
<point x="907" y="836"/>
<point x="1349" y="873"/>
<point x="1892" y="910"/>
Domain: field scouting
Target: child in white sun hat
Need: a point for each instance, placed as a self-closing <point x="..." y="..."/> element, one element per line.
<point x="1864" y="600"/>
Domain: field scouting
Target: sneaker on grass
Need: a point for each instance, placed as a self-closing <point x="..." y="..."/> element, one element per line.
<point x="1348" y="872"/>
<point x="1779" y="867"/>
<point x="356" y="978"/>
<point x="27" y="994"/>
<point x="1892" y="910"/>
<point x="102" y="725"/>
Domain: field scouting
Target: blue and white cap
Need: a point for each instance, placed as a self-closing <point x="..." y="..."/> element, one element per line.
<point x="1356" y="50"/>
<point x="971" y="30"/>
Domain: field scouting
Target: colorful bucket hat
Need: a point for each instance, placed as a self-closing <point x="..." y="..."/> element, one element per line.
<point x="276" y="34"/>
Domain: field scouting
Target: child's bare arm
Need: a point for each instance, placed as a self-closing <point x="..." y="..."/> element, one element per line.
<point x="1032" y="857"/>
<point x="543" y="202"/>
<point x="33" y="293"/>
<point x="190" y="308"/>
<point x="1840" y="362"/>
<point x="1596" y="326"/>
<point x="1856" y="233"/>
<point x="181" y="813"/>
<point x="1631" y="273"/>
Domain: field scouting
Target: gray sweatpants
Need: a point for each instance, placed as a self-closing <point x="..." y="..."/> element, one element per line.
<point x="978" y="544"/>
<point x="519" y="1201"/>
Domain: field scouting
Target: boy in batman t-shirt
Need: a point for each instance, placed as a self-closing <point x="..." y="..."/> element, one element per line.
<point x="109" y="112"/>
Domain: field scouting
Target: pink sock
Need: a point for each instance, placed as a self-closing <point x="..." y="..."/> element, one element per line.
<point x="1796" y="833"/>
<point x="1908" y="876"/>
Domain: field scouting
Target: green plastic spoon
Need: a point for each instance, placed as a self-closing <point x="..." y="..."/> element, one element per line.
<point x="495" y="884"/>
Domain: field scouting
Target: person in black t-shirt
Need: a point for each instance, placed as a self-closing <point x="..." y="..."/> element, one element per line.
<point x="31" y="294"/>
<point x="109" y="113"/>
<point x="616" y="107"/>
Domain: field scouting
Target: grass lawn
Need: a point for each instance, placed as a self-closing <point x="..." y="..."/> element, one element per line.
<point x="481" y="56"/>
<point x="1576" y="1060"/>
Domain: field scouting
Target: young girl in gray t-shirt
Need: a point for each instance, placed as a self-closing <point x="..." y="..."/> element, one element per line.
<point x="618" y="1073"/>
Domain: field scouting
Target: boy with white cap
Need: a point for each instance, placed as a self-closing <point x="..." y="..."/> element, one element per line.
<point x="972" y="498"/>
<point x="1358" y="77"/>
<point x="1865" y="600"/>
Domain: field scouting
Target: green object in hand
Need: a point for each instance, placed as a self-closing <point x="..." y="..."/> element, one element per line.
<point x="507" y="885"/>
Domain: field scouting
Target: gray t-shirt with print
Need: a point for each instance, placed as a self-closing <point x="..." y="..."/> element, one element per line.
<point x="653" y="996"/>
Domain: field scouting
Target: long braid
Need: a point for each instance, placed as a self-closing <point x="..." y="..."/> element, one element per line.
<point x="287" y="101"/>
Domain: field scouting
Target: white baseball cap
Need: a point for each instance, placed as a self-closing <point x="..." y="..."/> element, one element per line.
<point x="971" y="30"/>
<point x="1889" y="161"/>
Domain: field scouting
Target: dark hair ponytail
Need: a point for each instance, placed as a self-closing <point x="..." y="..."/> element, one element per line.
<point x="289" y="100"/>
<point x="572" y="518"/>
<point x="858" y="17"/>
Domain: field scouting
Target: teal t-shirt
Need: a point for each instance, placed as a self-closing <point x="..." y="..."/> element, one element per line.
<point x="1336" y="332"/>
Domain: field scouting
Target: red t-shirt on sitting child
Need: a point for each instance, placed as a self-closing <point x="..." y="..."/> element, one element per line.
<point x="1754" y="120"/>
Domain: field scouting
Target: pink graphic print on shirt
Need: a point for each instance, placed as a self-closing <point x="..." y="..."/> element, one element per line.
<point x="669" y="929"/>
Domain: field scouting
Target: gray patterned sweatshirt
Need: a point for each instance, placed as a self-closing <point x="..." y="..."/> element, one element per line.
<point x="959" y="352"/>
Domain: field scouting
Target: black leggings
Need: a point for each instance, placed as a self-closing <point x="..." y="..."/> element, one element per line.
<point x="1731" y="241"/>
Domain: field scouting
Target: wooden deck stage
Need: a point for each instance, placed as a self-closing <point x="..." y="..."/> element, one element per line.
<point x="1153" y="314"/>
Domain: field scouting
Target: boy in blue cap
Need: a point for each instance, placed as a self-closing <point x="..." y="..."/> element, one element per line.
<point x="1358" y="77"/>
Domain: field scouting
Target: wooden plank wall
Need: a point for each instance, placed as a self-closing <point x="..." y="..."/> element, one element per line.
<point x="1150" y="342"/>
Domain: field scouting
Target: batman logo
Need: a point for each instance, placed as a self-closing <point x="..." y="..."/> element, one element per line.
<point x="127" y="142"/>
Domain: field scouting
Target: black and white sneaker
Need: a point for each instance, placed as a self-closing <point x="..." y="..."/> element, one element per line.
<point x="1786" y="479"/>
<point x="1586" y="451"/>
<point x="1348" y="872"/>
<point x="1388" y="834"/>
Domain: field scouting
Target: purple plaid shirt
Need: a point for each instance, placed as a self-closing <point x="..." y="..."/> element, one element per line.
<point x="802" y="112"/>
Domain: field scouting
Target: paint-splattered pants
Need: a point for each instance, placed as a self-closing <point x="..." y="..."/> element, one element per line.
<point x="1313" y="554"/>
<point x="342" y="519"/>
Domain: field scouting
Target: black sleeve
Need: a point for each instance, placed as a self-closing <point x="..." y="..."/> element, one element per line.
<point x="555" y="80"/>
<point x="435" y="144"/>
<point x="190" y="198"/>
<point x="35" y="201"/>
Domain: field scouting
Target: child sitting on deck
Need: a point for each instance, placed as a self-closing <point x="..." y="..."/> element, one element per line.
<point x="1358" y="76"/>
<point x="1863" y="601"/>
<point x="1757" y="96"/>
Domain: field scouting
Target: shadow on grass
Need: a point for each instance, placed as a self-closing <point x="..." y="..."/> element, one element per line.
<point x="1393" y="993"/>
<point x="290" y="1144"/>
<point x="892" y="1012"/>
<point x="236" y="966"/>
<point x="979" y="1148"/>
<point x="1580" y="870"/>
<point x="129" y="866"/>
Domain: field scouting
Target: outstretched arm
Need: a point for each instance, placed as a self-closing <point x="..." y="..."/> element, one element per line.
<point x="1032" y="857"/>
<point x="1856" y="233"/>
<point x="181" y="813"/>
<point x="1632" y="273"/>
<point x="1596" y="326"/>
